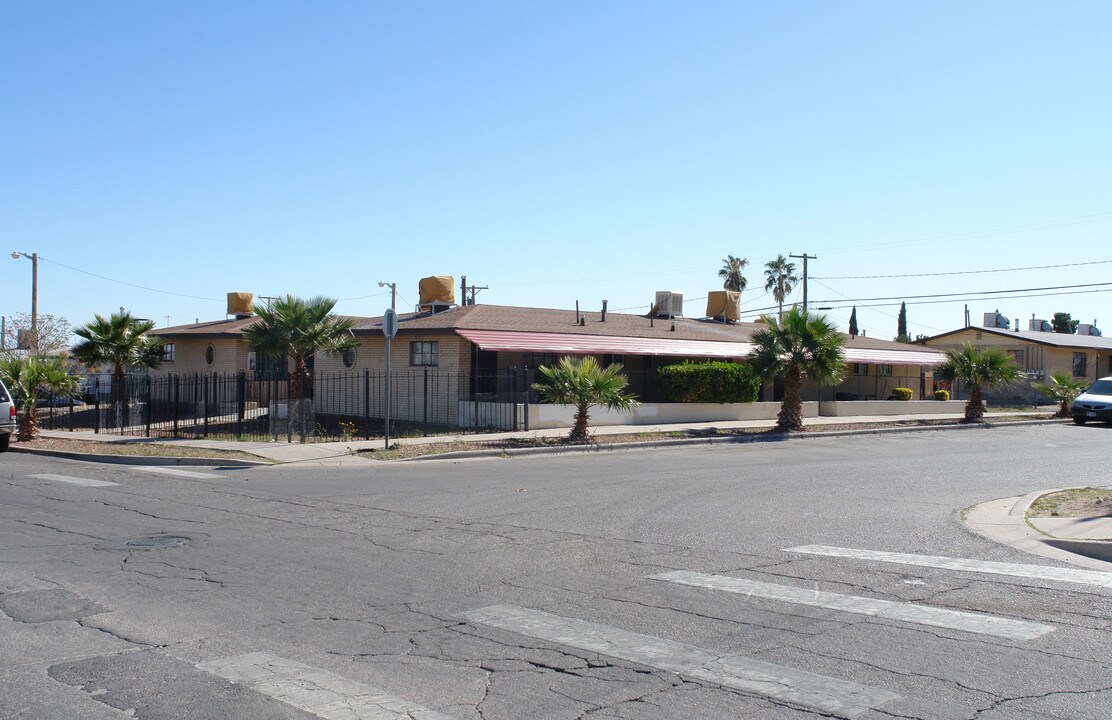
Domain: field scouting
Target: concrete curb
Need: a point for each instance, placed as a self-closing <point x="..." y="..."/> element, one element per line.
<point x="1005" y="521"/>
<point x="745" y="438"/>
<point x="142" y="459"/>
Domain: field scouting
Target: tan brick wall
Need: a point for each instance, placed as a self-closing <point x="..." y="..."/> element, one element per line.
<point x="1036" y="357"/>
<point x="229" y="355"/>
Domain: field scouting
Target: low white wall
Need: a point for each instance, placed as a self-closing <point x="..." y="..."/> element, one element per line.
<point x="559" y="416"/>
<point x="849" y="408"/>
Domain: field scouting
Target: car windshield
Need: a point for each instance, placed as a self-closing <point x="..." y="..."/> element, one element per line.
<point x="1101" y="387"/>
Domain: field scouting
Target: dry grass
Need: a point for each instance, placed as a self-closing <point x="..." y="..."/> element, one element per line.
<point x="134" y="447"/>
<point x="1077" y="502"/>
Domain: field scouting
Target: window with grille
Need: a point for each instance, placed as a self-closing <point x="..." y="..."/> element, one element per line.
<point x="424" y="353"/>
<point x="1080" y="364"/>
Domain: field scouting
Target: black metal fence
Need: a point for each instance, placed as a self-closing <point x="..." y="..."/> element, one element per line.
<point x="352" y="405"/>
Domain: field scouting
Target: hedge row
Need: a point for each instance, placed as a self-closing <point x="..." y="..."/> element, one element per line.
<point x="710" y="382"/>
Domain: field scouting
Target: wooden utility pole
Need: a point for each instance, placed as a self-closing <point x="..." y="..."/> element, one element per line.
<point x="804" y="257"/>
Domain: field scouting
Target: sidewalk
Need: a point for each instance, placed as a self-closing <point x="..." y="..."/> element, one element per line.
<point x="341" y="452"/>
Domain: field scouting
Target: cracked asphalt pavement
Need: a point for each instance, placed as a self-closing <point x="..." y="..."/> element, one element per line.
<point x="523" y="588"/>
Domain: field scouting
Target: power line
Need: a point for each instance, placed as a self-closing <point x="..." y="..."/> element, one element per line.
<point x="981" y="292"/>
<point x="121" y="282"/>
<point x="961" y="272"/>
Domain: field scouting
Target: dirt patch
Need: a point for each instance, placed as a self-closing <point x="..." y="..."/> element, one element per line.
<point x="1078" y="502"/>
<point x="138" y="447"/>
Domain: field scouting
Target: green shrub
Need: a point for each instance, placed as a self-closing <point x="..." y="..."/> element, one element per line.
<point x="902" y="393"/>
<point x="941" y="394"/>
<point x="709" y="382"/>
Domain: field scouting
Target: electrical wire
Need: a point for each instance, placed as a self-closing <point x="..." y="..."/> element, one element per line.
<point x="959" y="272"/>
<point x="121" y="282"/>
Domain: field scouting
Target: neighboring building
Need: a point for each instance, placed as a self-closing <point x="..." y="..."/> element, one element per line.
<point x="1037" y="351"/>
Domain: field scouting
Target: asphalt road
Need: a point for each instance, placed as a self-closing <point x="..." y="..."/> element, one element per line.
<point x="706" y="581"/>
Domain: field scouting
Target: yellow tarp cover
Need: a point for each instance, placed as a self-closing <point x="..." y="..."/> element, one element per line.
<point x="724" y="303"/>
<point x="438" y="289"/>
<point x="239" y="303"/>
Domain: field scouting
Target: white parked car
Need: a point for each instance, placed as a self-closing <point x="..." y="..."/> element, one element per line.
<point x="1095" y="403"/>
<point x="7" y="417"/>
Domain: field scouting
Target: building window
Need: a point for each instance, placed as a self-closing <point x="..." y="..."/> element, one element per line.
<point x="860" y="368"/>
<point x="210" y="355"/>
<point x="168" y="352"/>
<point x="1018" y="358"/>
<point x="1080" y="364"/>
<point x="884" y="370"/>
<point x="349" y="358"/>
<point x="424" y="353"/>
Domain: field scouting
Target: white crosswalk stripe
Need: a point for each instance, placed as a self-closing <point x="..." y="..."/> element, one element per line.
<point x="314" y="690"/>
<point x="902" y="611"/>
<point x="87" y="482"/>
<point x="1037" y="572"/>
<point x="782" y="683"/>
<point x="174" y="471"/>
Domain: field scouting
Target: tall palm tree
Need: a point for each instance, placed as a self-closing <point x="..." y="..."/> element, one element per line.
<point x="797" y="346"/>
<point x="28" y="379"/>
<point x="979" y="369"/>
<point x="780" y="279"/>
<point x="583" y="382"/>
<point x="121" y="342"/>
<point x="732" y="279"/>
<point x="298" y="329"/>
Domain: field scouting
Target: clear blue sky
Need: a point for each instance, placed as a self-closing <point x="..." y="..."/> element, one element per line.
<point x="555" y="152"/>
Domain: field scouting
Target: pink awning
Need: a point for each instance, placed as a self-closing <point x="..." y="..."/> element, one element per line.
<point x="514" y="341"/>
<point x="590" y="344"/>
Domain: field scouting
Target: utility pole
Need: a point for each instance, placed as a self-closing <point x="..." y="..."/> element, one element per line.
<point x="804" y="257"/>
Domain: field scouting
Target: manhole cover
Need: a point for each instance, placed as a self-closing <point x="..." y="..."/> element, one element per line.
<point x="157" y="541"/>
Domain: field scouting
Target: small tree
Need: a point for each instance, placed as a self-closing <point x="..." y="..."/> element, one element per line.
<point x="584" y="383"/>
<point x="979" y="369"/>
<point x="54" y="332"/>
<point x="30" y="378"/>
<point x="1063" y="322"/>
<point x="797" y="346"/>
<point x="901" y="325"/>
<point x="853" y="322"/>
<point x="731" y="273"/>
<point x="1063" y="389"/>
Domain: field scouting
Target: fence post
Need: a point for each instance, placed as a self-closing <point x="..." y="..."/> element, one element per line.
<point x="205" y="402"/>
<point x="366" y="403"/>
<point x="425" y="395"/>
<point x="525" y="390"/>
<point x="176" y="382"/>
<point x="96" y="405"/>
<point x="513" y="397"/>
<point x="241" y="389"/>
<point x="149" y="406"/>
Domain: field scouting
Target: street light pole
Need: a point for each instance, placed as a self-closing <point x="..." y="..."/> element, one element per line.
<point x="34" y="257"/>
<point x="393" y="293"/>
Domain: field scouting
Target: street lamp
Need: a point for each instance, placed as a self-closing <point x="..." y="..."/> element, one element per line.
<point x="34" y="258"/>
<point x="393" y="292"/>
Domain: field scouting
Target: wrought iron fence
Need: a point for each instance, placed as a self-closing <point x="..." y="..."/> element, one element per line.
<point x="244" y="406"/>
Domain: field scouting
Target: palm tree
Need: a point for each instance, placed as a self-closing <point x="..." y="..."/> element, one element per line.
<point x="780" y="279"/>
<point x="583" y="382"/>
<point x="732" y="279"/>
<point x="979" y="369"/>
<point x="28" y="379"/>
<point x="121" y="342"/>
<point x="1062" y="388"/>
<point x="797" y="346"/>
<point x="298" y="329"/>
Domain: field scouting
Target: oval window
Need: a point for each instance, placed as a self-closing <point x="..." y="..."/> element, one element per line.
<point x="349" y="358"/>
<point x="210" y="355"/>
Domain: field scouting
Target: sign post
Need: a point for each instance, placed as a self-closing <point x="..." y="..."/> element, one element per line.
<point x="389" y="329"/>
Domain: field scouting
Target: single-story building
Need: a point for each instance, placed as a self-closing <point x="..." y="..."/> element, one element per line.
<point x="486" y="354"/>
